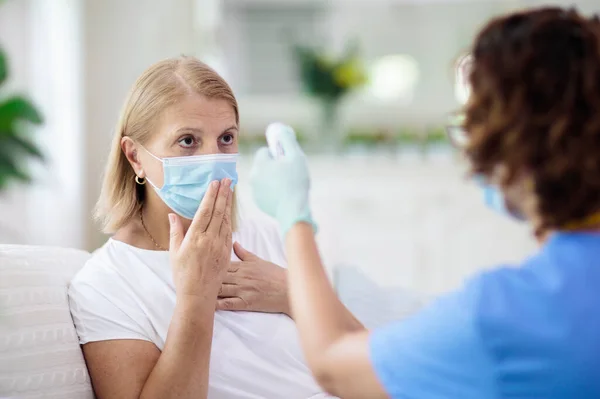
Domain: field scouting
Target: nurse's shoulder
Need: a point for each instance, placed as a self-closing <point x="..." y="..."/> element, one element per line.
<point x="545" y="313"/>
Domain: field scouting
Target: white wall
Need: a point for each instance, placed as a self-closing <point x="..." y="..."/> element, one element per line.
<point x="55" y="201"/>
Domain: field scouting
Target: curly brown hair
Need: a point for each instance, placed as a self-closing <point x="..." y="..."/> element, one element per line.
<point x="534" y="109"/>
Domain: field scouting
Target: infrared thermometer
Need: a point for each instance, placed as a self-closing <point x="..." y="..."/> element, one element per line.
<point x="273" y="135"/>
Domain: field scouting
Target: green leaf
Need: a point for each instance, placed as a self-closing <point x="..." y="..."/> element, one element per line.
<point x="19" y="144"/>
<point x="12" y="158"/>
<point x="15" y="109"/>
<point x="3" y="67"/>
<point x="10" y="170"/>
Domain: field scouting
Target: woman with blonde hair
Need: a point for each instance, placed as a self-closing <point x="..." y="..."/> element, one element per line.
<point x="144" y="305"/>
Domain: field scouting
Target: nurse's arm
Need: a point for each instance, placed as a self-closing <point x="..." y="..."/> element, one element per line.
<point x="335" y="343"/>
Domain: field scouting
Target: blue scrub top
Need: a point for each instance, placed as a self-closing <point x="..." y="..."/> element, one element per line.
<point x="528" y="332"/>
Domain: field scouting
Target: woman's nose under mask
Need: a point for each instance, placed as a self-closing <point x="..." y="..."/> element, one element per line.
<point x="186" y="179"/>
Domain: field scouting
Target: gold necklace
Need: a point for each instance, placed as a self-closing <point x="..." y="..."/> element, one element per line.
<point x="148" y="233"/>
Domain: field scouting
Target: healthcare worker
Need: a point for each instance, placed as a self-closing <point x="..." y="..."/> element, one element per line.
<point x="532" y="133"/>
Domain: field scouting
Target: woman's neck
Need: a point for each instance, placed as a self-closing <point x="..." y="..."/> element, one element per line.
<point x="155" y="227"/>
<point x="149" y="229"/>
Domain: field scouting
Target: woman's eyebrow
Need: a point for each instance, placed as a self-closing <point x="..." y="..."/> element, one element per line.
<point x="233" y="127"/>
<point x="189" y="130"/>
<point x="198" y="131"/>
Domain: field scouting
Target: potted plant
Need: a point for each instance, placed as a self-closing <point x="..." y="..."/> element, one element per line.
<point x="329" y="80"/>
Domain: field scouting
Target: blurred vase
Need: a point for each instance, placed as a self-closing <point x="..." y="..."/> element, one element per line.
<point x="329" y="134"/>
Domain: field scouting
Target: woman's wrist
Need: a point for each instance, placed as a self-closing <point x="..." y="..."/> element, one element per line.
<point x="286" y="309"/>
<point x="200" y="294"/>
<point x="194" y="301"/>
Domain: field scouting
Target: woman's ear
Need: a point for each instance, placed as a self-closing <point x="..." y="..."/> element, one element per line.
<point x="130" y="149"/>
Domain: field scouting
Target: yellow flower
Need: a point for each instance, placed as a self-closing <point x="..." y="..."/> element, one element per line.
<point x="349" y="74"/>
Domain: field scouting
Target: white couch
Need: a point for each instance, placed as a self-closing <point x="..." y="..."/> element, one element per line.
<point x="40" y="355"/>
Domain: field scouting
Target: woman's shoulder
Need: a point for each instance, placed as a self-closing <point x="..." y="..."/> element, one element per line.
<point x="112" y="264"/>
<point x="99" y="269"/>
<point x="102" y="298"/>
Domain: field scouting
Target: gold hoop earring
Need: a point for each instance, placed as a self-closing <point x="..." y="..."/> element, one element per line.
<point x="140" y="180"/>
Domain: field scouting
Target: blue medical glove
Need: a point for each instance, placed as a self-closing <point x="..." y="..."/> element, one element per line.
<point x="280" y="186"/>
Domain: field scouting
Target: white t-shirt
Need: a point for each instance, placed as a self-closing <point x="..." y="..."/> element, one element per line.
<point x="124" y="292"/>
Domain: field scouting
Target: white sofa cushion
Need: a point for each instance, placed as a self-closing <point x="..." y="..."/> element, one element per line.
<point x="39" y="350"/>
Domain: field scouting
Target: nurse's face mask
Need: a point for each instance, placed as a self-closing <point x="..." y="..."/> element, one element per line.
<point x="186" y="179"/>
<point x="493" y="196"/>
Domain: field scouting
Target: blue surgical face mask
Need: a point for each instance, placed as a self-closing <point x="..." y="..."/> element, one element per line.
<point x="186" y="179"/>
<point x="495" y="200"/>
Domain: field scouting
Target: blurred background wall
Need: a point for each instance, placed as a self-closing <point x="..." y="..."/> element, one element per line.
<point x="391" y="196"/>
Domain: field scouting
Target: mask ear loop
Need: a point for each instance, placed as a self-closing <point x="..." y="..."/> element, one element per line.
<point x="159" y="160"/>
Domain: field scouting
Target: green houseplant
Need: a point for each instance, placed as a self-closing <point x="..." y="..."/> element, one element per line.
<point x="16" y="146"/>
<point x="329" y="80"/>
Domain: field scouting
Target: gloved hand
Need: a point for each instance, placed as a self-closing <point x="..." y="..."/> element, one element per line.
<point x="280" y="186"/>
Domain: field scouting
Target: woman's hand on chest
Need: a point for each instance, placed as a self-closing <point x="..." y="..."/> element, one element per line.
<point x="253" y="284"/>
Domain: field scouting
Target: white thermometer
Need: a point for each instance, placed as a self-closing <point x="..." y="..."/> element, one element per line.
<point x="273" y="135"/>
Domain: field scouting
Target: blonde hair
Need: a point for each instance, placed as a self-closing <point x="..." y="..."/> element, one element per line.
<point x="159" y="87"/>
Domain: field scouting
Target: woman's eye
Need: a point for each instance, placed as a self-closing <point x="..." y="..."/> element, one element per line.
<point x="227" y="139"/>
<point x="187" y="142"/>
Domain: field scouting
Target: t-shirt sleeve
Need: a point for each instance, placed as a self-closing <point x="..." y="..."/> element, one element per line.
<point x="436" y="353"/>
<point x="98" y="318"/>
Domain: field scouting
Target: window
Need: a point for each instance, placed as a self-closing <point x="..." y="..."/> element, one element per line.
<point x="394" y="77"/>
<point x="257" y="42"/>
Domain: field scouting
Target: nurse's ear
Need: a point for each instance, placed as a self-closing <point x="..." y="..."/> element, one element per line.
<point x="132" y="150"/>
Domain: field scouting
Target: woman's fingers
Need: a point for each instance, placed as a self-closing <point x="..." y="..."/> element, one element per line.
<point x="236" y="274"/>
<point x="229" y="290"/>
<point x="176" y="233"/>
<point x="227" y="225"/>
<point x="243" y="253"/>
<point x="218" y="213"/>
<point x="232" y="304"/>
<point x="204" y="213"/>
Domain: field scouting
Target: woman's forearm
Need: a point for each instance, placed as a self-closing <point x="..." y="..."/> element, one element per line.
<point x="320" y="316"/>
<point x="182" y="368"/>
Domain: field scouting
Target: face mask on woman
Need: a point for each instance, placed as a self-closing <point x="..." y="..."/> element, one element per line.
<point x="186" y="179"/>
